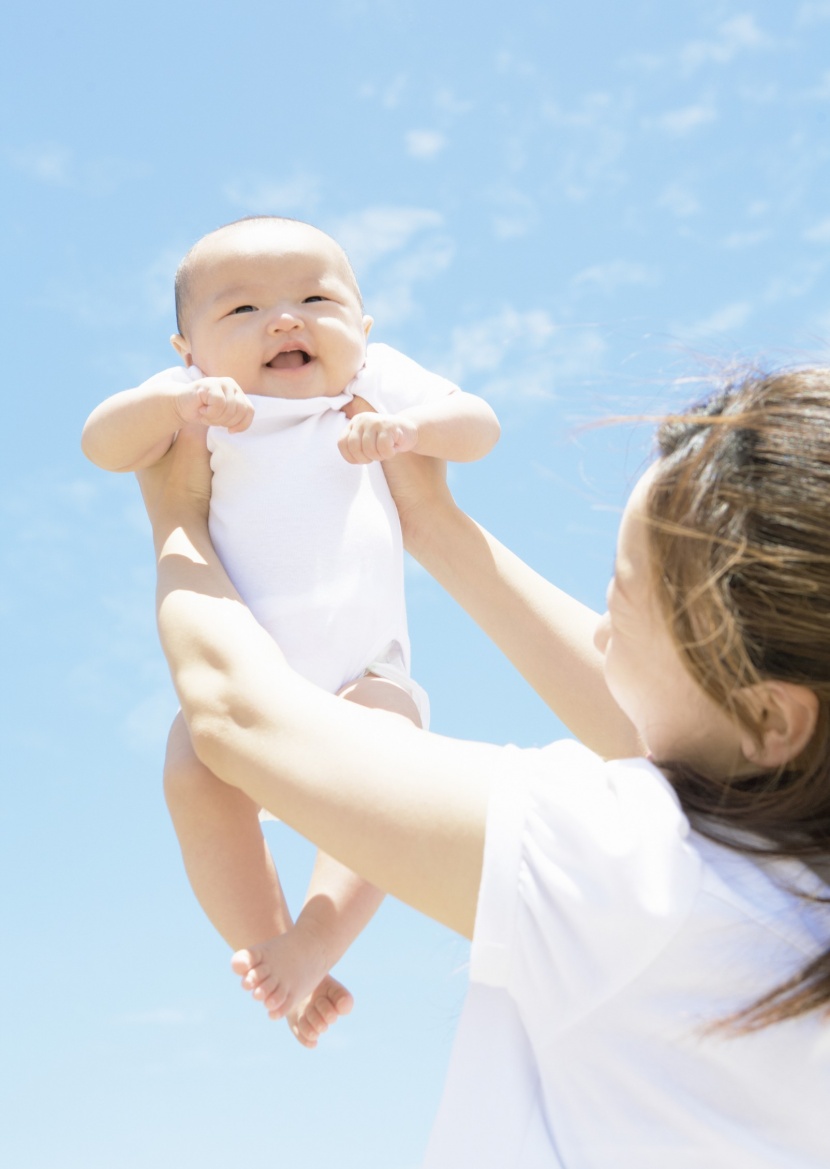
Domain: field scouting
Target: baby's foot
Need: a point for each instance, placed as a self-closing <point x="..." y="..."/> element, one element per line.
<point x="288" y="974"/>
<point x="324" y="1006"/>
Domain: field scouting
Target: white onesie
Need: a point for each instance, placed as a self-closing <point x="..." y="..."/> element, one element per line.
<point x="313" y="543"/>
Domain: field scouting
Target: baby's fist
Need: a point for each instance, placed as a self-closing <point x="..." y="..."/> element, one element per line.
<point x="371" y="438"/>
<point x="218" y="401"/>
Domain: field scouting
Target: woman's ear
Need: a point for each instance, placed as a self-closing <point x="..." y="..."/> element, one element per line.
<point x="182" y="348"/>
<point x="786" y="714"/>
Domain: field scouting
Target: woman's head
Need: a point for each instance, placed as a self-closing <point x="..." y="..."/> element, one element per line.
<point x="738" y="511"/>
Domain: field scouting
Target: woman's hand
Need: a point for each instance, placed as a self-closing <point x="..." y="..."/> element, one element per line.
<point x="178" y="486"/>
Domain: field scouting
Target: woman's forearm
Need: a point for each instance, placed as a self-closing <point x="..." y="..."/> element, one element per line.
<point x="545" y="633"/>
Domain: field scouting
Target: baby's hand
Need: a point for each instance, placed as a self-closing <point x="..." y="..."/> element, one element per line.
<point x="371" y="438"/>
<point x="215" y="401"/>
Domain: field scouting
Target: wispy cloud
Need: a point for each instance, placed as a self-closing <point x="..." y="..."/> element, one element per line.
<point x="679" y="123"/>
<point x="161" y="1017"/>
<point x="680" y="200"/>
<point x="298" y="193"/>
<point x="515" y="213"/>
<point x="49" y="163"/>
<point x="724" y="320"/>
<point x="57" y="166"/>
<point x="425" y="144"/>
<point x="388" y="96"/>
<point x="738" y="240"/>
<point x="375" y="232"/>
<point x="392" y="292"/>
<point x="797" y="281"/>
<point x="819" y="233"/>
<point x="738" y="34"/>
<point x="615" y="274"/>
<point x="447" y="102"/>
<point x="521" y="354"/>
<point x="813" y="12"/>
<point x="592" y="111"/>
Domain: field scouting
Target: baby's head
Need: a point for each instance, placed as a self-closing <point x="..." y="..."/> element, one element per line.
<point x="274" y="304"/>
<point x="739" y="533"/>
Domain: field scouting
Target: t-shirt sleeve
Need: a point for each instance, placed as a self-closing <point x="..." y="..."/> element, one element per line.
<point x="587" y="876"/>
<point x="392" y="382"/>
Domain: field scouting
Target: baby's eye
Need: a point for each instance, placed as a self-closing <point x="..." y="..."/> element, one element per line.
<point x="313" y="299"/>
<point x="242" y="308"/>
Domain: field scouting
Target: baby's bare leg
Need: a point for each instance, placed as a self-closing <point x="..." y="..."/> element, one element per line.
<point x="338" y="905"/>
<point x="227" y="860"/>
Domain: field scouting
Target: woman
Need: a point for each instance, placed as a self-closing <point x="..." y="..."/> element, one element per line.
<point x="621" y="962"/>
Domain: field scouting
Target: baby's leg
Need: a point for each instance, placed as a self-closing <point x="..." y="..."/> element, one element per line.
<point x="227" y="860"/>
<point x="338" y="905"/>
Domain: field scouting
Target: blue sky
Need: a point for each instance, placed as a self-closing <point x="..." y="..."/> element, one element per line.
<point x="573" y="210"/>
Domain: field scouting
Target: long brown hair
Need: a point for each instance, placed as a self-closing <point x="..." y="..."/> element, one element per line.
<point x="740" y="538"/>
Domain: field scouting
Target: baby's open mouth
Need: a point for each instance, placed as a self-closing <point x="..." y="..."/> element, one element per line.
<point x="289" y="359"/>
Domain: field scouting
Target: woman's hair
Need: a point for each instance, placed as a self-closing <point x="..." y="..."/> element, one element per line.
<point x="740" y="537"/>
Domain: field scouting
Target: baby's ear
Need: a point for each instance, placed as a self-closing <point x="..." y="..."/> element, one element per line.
<point x="787" y="714"/>
<point x="367" y="325"/>
<point x="182" y="348"/>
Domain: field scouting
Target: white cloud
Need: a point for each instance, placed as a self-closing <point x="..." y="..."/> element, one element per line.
<point x="448" y="103"/>
<point x="424" y="144"/>
<point x="616" y="274"/>
<point x="392" y="298"/>
<point x="679" y="200"/>
<point x="369" y="235"/>
<point x="797" y="282"/>
<point x="819" y="233"/>
<point x="48" y="164"/>
<point x="300" y="194"/>
<point x="734" y="36"/>
<point x="515" y="213"/>
<point x="723" y="320"/>
<point x="813" y="12"/>
<point x="745" y="239"/>
<point x="820" y="92"/>
<point x="509" y="63"/>
<point x="593" y="110"/>
<point x="679" y="123"/>
<point x="162" y="1016"/>
<point x="57" y="166"/>
<point x="521" y="355"/>
<point x="389" y="95"/>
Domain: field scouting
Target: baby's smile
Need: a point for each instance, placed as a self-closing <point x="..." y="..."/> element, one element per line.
<point x="289" y="359"/>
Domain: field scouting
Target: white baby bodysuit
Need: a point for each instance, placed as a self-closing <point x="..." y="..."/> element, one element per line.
<point x="313" y="543"/>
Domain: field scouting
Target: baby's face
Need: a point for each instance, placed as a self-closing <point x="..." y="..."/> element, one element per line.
<point x="274" y="306"/>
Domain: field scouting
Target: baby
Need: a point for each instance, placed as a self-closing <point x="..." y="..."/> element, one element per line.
<point x="299" y="414"/>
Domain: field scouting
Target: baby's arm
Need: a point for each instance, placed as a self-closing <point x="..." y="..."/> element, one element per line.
<point x="460" y="427"/>
<point x="410" y="409"/>
<point x="135" y="428"/>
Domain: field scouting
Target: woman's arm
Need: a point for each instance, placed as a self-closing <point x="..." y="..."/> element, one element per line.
<point x="404" y="809"/>
<point x="545" y="633"/>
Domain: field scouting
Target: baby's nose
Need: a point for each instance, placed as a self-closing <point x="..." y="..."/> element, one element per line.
<point x="283" y="318"/>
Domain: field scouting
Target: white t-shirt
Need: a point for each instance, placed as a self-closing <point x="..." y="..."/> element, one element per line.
<point x="608" y="935"/>
<point x="313" y="543"/>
